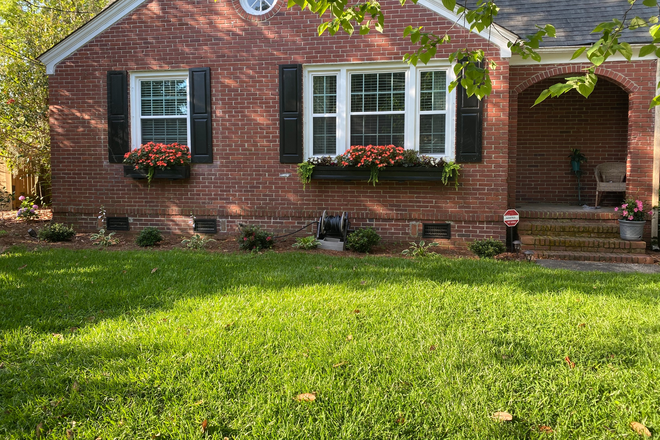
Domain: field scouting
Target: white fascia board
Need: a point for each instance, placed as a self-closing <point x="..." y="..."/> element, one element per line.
<point x="497" y="35"/>
<point x="87" y="33"/>
<point x="562" y="55"/>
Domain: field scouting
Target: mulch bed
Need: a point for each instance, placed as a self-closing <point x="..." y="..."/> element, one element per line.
<point x="16" y="234"/>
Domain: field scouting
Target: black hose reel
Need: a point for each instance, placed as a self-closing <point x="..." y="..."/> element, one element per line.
<point x="332" y="231"/>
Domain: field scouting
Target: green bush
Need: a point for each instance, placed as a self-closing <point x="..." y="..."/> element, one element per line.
<point x="306" y="243"/>
<point x="362" y="240"/>
<point x="56" y="232"/>
<point x="253" y="238"/>
<point x="487" y="248"/>
<point x="149" y="236"/>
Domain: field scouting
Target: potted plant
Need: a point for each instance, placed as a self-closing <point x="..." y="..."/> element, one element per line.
<point x="633" y="218"/>
<point x="577" y="158"/>
<point x="152" y="160"/>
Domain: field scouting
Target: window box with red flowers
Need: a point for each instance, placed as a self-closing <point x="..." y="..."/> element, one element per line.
<point x="379" y="163"/>
<point x="158" y="161"/>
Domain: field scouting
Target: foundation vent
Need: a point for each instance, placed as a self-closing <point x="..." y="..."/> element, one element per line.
<point x="206" y="225"/>
<point x="436" y="230"/>
<point x="117" y="223"/>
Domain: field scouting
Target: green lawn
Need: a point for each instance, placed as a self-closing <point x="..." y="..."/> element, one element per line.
<point x="99" y="344"/>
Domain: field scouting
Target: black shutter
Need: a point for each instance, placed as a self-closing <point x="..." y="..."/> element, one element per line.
<point x="201" y="142"/>
<point x="469" y="118"/>
<point x="291" y="116"/>
<point x="118" y="143"/>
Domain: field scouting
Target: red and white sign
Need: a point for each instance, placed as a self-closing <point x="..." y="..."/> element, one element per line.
<point x="511" y="217"/>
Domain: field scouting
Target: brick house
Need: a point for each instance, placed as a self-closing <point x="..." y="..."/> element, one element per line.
<point x="255" y="73"/>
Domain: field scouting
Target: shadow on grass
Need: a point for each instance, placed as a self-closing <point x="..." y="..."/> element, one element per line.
<point x="55" y="290"/>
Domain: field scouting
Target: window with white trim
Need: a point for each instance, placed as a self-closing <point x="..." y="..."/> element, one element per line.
<point x="385" y="104"/>
<point x="159" y="108"/>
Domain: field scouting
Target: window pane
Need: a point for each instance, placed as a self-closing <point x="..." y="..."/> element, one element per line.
<point x="433" y="91"/>
<point x="325" y="136"/>
<point x="377" y="130"/>
<point x="165" y="131"/>
<point x="325" y="94"/>
<point x="432" y="134"/>
<point x="378" y="92"/>
<point x="164" y="98"/>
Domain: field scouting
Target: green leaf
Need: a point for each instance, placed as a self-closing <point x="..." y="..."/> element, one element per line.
<point x="542" y="97"/>
<point x="655" y="102"/>
<point x="550" y="30"/>
<point x="646" y="50"/>
<point x="650" y="3"/>
<point x="578" y="52"/>
<point x="598" y="60"/>
<point x="636" y="23"/>
<point x="379" y="27"/>
<point x="425" y="57"/>
<point x="449" y="4"/>
<point x="364" y="29"/>
<point x="626" y="50"/>
<point x="654" y="31"/>
<point x="407" y="31"/>
<point x="323" y="27"/>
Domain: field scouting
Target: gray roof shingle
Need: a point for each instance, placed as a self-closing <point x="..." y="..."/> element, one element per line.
<point x="573" y="19"/>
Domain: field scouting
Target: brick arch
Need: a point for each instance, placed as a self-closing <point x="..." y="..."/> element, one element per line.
<point x="625" y="83"/>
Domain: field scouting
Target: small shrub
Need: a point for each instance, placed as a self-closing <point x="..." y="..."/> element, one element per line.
<point x="28" y="210"/>
<point x="487" y="248"/>
<point x="196" y="242"/>
<point x="306" y="243"/>
<point x="253" y="238"/>
<point x="362" y="240"/>
<point x="149" y="236"/>
<point x="420" y="250"/>
<point x="56" y="232"/>
<point x="100" y="239"/>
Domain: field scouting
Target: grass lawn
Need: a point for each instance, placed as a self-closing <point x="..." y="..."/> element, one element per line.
<point x="103" y="345"/>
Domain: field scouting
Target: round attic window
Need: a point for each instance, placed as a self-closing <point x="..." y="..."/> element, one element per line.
<point x="258" y="7"/>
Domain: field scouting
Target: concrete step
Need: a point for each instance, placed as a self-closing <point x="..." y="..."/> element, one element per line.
<point x="569" y="228"/>
<point x="581" y="244"/>
<point x="604" y="257"/>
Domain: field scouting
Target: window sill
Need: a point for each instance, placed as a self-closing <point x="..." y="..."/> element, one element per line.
<point x="174" y="173"/>
<point x="397" y="174"/>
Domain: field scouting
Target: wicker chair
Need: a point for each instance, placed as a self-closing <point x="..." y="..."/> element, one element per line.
<point x="610" y="177"/>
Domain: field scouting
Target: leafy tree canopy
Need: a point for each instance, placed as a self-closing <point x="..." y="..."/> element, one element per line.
<point x="471" y="67"/>
<point x="27" y="29"/>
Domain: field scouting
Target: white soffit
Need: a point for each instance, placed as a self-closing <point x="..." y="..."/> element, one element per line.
<point x="87" y="33"/>
<point x="495" y="34"/>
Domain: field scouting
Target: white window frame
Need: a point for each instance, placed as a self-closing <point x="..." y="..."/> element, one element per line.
<point x="322" y="115"/>
<point x="413" y="79"/>
<point x="450" y="105"/>
<point x="136" y="79"/>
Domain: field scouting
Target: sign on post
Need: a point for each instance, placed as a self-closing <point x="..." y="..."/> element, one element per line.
<point x="511" y="218"/>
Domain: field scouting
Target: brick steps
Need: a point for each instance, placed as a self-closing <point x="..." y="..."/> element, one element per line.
<point x="603" y="257"/>
<point x="578" y="236"/>
<point x="584" y="244"/>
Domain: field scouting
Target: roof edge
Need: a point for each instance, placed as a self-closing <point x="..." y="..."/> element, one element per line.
<point x="87" y="32"/>
<point x="564" y="54"/>
<point x="496" y="33"/>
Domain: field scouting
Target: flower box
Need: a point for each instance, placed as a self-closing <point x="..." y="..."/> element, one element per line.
<point x="399" y="174"/>
<point x="173" y="173"/>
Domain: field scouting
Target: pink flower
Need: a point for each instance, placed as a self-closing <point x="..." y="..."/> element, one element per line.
<point x="268" y="238"/>
<point x="244" y="238"/>
<point x="616" y="209"/>
<point x="625" y="213"/>
<point x="21" y="198"/>
<point x="34" y="207"/>
<point x="630" y="218"/>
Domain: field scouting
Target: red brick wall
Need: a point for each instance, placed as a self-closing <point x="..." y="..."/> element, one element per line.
<point x="597" y="126"/>
<point x="244" y="179"/>
<point x="636" y="79"/>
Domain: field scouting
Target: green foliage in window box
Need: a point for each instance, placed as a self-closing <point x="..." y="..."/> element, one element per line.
<point x="149" y="236"/>
<point x="487" y="248"/>
<point x="305" y="171"/>
<point x="56" y="232"/>
<point x="253" y="238"/>
<point x="362" y="240"/>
